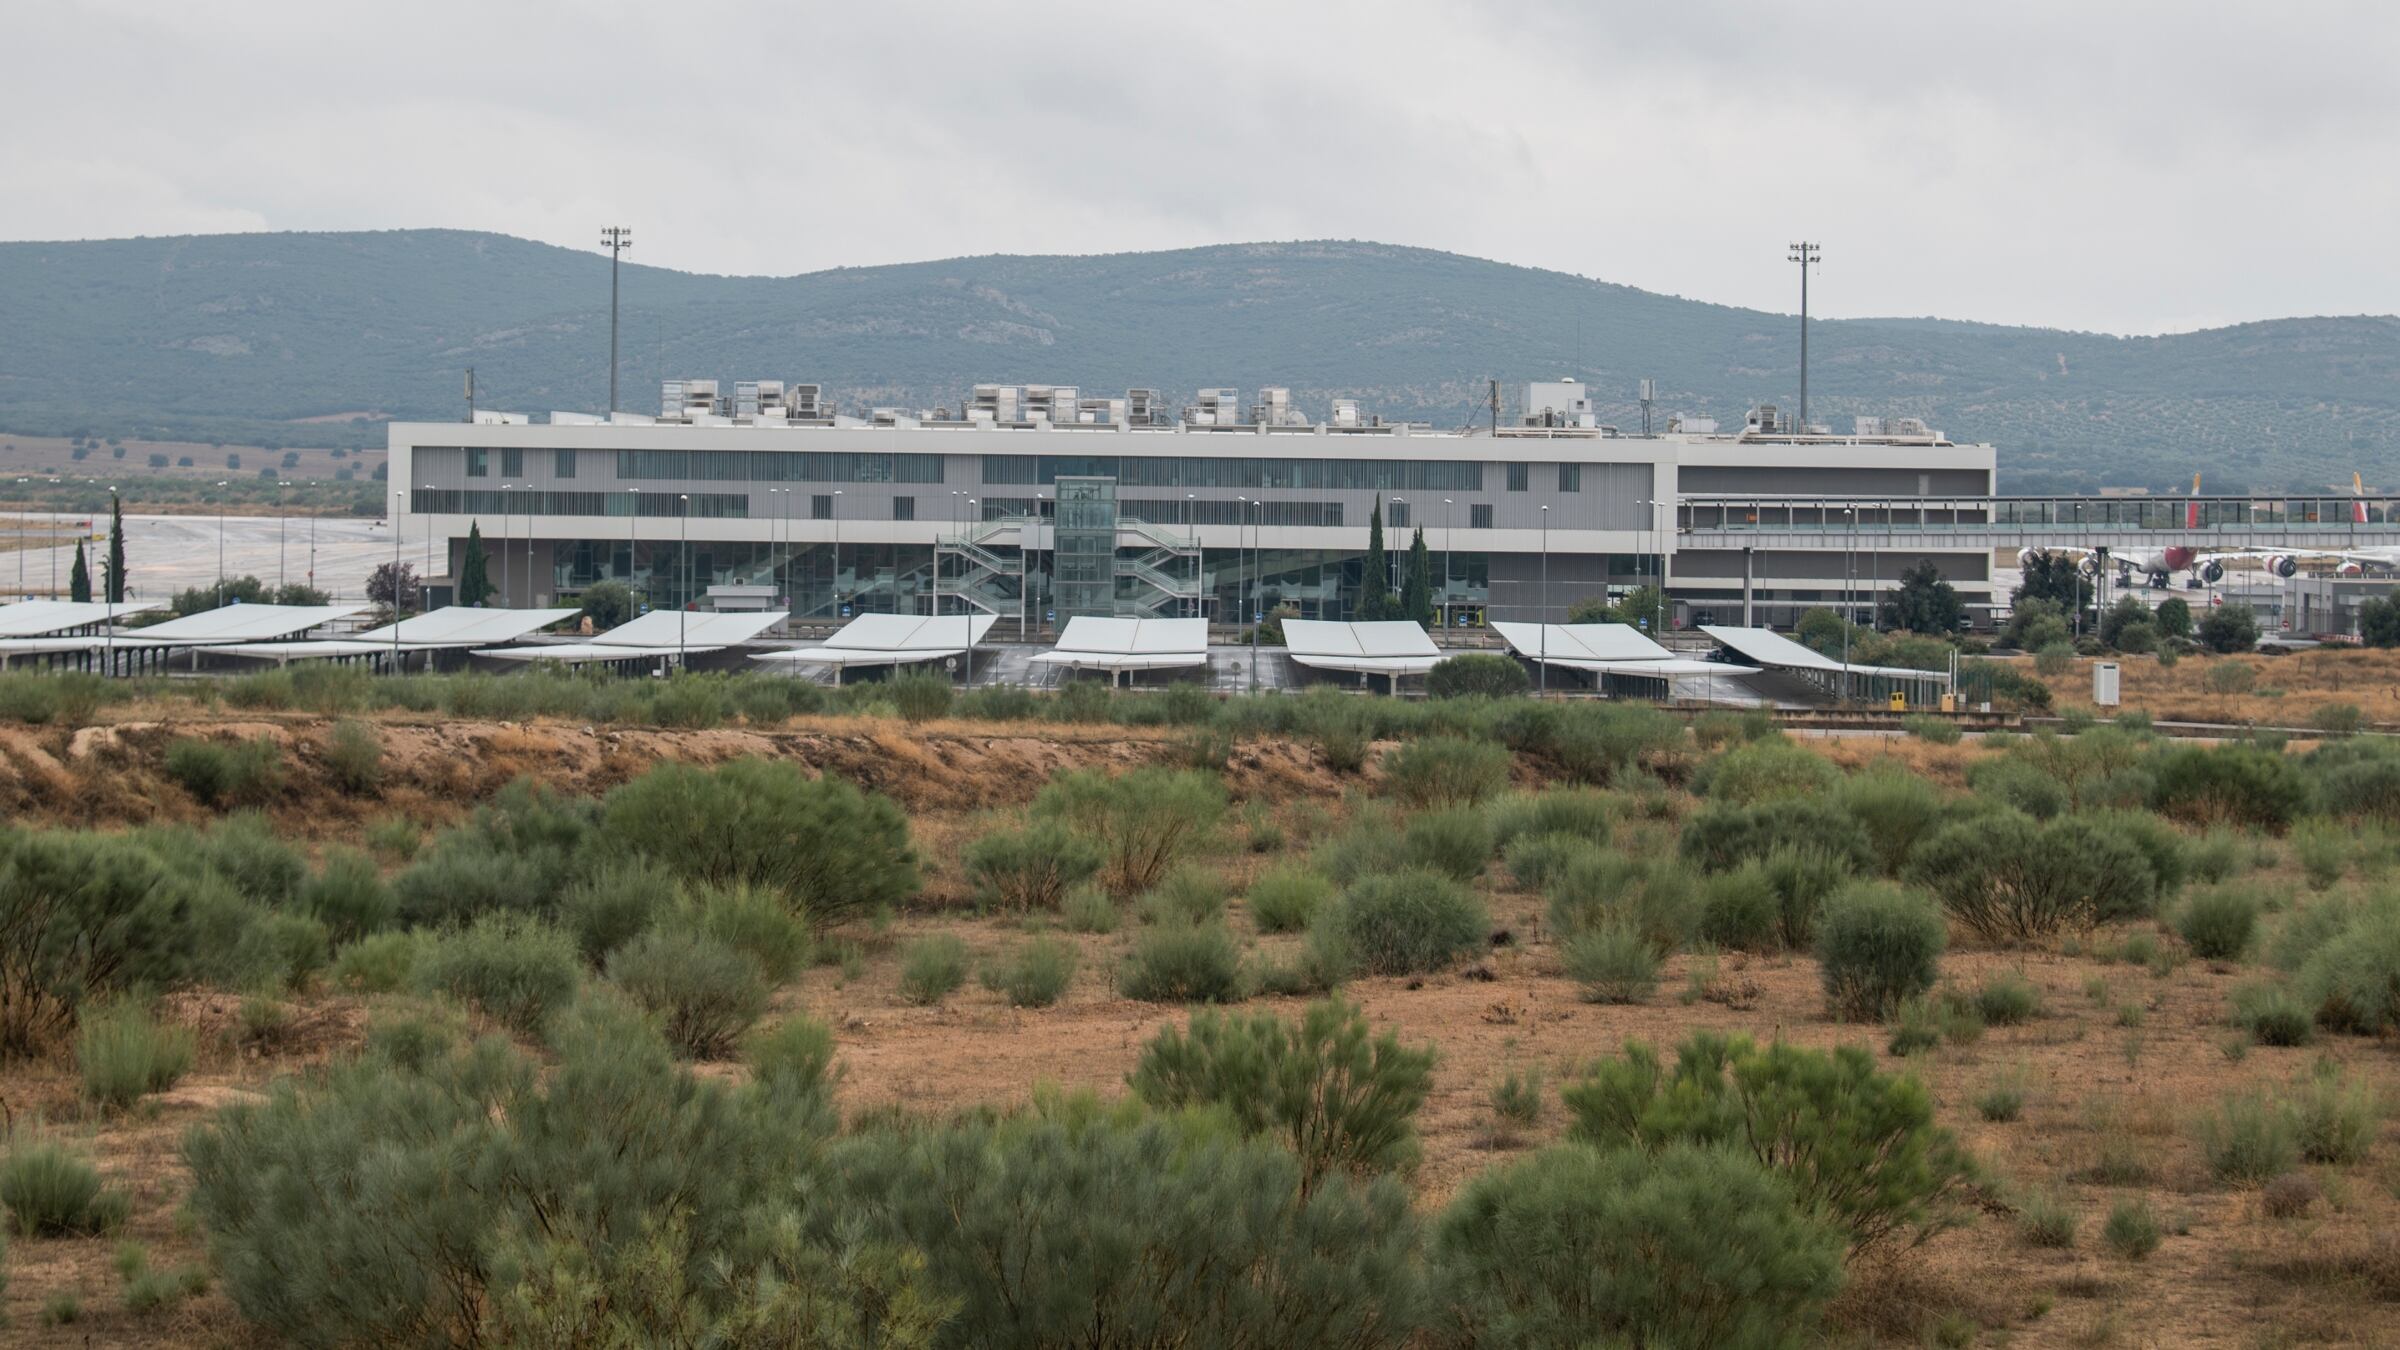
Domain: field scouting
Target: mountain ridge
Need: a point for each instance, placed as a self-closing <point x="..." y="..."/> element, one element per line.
<point x="242" y="337"/>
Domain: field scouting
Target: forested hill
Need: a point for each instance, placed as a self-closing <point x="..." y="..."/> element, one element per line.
<point x="299" y="339"/>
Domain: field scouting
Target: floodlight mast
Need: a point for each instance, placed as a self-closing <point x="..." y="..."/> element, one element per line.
<point x="616" y="239"/>
<point x="1806" y="254"/>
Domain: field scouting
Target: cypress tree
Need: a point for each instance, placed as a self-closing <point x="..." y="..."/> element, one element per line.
<point x="115" y="575"/>
<point x="1374" y="586"/>
<point x="474" y="582"/>
<point x="79" y="580"/>
<point x="1416" y="594"/>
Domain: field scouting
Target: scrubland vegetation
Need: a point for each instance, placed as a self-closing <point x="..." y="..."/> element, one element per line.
<point x="1159" y="1019"/>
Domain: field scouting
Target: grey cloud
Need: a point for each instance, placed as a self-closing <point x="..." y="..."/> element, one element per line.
<point x="2127" y="167"/>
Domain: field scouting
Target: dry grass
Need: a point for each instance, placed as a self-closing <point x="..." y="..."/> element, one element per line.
<point x="2286" y="690"/>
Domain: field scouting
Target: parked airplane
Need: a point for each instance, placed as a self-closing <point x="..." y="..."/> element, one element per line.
<point x="2159" y="565"/>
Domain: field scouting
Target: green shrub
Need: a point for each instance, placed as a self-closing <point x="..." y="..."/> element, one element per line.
<point x="2334" y="1117"/>
<point x="395" y="837"/>
<point x="2008" y="1000"/>
<point x="2020" y="785"/>
<point x="754" y="922"/>
<point x="1516" y="1100"/>
<point x="1657" y="898"/>
<point x="1287" y="899"/>
<point x="1740" y="909"/>
<point x="280" y="950"/>
<point x="1445" y="771"/>
<point x="1579" y="813"/>
<point x="81" y="916"/>
<point x="1088" y="909"/>
<point x="1032" y="868"/>
<point x="1476" y="674"/>
<point x="1339" y="1097"/>
<point x="2353" y="979"/>
<point x="1722" y="835"/>
<point x="1143" y="821"/>
<point x="430" y="1175"/>
<point x="1681" y="1247"/>
<point x="2003" y="1098"/>
<point x="1183" y="964"/>
<point x="354" y="757"/>
<point x="2054" y="659"/>
<point x="1897" y="811"/>
<point x="1456" y="843"/>
<point x="2249" y="1139"/>
<point x="1407" y="923"/>
<point x="49" y="1192"/>
<point x="614" y="905"/>
<point x="920" y="695"/>
<point x="1938" y="730"/>
<point x="833" y="852"/>
<point x="514" y="970"/>
<point x="246" y="773"/>
<point x="2272" y="1015"/>
<point x="2323" y="851"/>
<point x="1858" y="1146"/>
<point x="1536" y="860"/>
<point x="2215" y="856"/>
<point x="932" y="968"/>
<point x="2235" y="784"/>
<point x="125" y="1054"/>
<point x="465" y="874"/>
<point x="348" y="896"/>
<point x="1190" y="894"/>
<point x="1876" y="946"/>
<point x="1372" y="844"/>
<point x="2132" y="1230"/>
<point x="2046" y="1221"/>
<point x="1071" y="1228"/>
<point x="705" y="994"/>
<point x="1763" y="770"/>
<point x="1036" y="973"/>
<point x="2012" y="880"/>
<point x="1803" y="880"/>
<point x="2219" y="923"/>
<point x="1613" y="963"/>
<point x="382" y="963"/>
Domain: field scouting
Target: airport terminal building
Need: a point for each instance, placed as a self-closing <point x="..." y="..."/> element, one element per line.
<point x="1034" y="504"/>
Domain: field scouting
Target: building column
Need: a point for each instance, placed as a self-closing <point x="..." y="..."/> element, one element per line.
<point x="1746" y="560"/>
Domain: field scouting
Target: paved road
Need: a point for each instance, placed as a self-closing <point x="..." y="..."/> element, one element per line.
<point x="165" y="554"/>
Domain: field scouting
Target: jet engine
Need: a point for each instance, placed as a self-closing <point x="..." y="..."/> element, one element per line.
<point x="2283" y="565"/>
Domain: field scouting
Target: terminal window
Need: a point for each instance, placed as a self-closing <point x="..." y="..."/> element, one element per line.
<point x="904" y="508"/>
<point x="479" y="463"/>
<point x="820" y="506"/>
<point x="1570" y="478"/>
<point x="1479" y="516"/>
<point x="1399" y="515"/>
<point x="512" y="462"/>
<point x="1519" y="476"/>
<point x="562" y="463"/>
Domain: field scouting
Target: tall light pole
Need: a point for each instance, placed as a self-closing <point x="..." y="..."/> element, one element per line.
<point x="837" y="553"/>
<point x="428" y="536"/>
<point x="1805" y="254"/>
<point x="967" y="612"/>
<point x="1194" y="531"/>
<point x="21" y="551"/>
<point x="312" y="533"/>
<point x="1449" y="521"/>
<point x="112" y="592"/>
<point x="507" y="531"/>
<point x="280" y="485"/>
<point x="616" y="239"/>
<point x="683" y="600"/>
<point x="396" y="496"/>
<point x="1545" y="619"/>
<point x="1257" y="614"/>
<point x="1391" y="553"/>
<point x="633" y="542"/>
<point x="221" y="484"/>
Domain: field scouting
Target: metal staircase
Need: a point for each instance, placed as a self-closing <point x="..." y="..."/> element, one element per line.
<point x="984" y="567"/>
<point x="968" y="568"/>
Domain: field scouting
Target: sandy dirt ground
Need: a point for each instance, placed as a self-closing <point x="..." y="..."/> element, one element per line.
<point x="2098" y="1077"/>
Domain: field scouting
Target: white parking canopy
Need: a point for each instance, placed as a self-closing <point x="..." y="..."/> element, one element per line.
<point x="1386" y="647"/>
<point x="1129" y="644"/>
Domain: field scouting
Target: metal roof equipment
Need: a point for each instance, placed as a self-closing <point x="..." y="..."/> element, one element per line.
<point x="1393" y="647"/>
<point x="1114" y="645"/>
<point x="890" y="640"/>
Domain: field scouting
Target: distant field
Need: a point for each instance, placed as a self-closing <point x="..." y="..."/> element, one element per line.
<point x="54" y="456"/>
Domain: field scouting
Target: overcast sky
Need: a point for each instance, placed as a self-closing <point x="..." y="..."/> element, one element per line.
<point x="2104" y="164"/>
